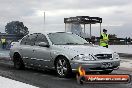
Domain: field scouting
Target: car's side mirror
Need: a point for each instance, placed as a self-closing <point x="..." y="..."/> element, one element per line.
<point x="43" y="44"/>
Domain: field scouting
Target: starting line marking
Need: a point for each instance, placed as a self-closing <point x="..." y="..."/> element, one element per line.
<point x="9" y="83"/>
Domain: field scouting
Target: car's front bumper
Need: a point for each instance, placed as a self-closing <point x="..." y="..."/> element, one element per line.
<point x="95" y="65"/>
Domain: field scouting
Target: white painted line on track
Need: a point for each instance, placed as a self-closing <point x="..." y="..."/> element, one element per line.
<point x="126" y="63"/>
<point x="9" y="83"/>
<point x="4" y="55"/>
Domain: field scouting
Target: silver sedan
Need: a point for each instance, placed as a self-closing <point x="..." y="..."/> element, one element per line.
<point x="64" y="52"/>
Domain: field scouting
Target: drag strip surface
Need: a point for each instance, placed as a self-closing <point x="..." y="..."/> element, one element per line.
<point x="48" y="79"/>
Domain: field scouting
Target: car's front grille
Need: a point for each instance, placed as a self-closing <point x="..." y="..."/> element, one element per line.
<point x="104" y="56"/>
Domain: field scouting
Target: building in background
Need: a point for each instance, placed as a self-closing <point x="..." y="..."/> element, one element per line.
<point x="77" y="29"/>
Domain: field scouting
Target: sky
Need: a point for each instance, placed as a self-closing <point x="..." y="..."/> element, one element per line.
<point x="116" y="14"/>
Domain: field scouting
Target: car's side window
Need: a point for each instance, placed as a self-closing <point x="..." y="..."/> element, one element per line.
<point x="41" y="38"/>
<point x="29" y="40"/>
<point x="32" y="39"/>
<point x="24" y="40"/>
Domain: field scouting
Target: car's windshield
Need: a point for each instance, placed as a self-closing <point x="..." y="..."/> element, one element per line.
<point x="66" y="39"/>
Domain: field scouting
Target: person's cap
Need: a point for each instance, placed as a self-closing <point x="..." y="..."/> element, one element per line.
<point x="104" y="30"/>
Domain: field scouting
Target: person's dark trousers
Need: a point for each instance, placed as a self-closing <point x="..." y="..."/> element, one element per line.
<point x="106" y="46"/>
<point x="3" y="45"/>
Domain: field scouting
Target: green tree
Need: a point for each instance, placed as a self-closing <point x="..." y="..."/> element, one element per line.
<point x="16" y="27"/>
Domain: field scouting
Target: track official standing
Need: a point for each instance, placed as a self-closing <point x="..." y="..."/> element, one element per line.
<point x="3" y="42"/>
<point x="104" y="39"/>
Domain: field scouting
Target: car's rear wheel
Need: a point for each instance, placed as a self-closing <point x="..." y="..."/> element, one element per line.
<point x="106" y="72"/>
<point x="18" y="63"/>
<point x="63" y="68"/>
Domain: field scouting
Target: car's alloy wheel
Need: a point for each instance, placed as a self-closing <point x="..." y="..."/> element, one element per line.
<point x="63" y="68"/>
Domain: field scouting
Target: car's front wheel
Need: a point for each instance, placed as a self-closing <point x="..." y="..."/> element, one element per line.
<point x="63" y="67"/>
<point x="18" y="63"/>
<point x="106" y="72"/>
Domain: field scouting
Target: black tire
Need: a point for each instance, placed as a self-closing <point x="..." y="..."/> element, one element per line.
<point x="18" y="63"/>
<point x="106" y="72"/>
<point x="63" y="68"/>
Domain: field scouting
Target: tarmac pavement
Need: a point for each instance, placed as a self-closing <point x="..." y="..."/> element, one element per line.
<point x="48" y="79"/>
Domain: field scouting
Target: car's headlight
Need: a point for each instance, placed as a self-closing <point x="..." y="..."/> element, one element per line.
<point x="115" y="55"/>
<point x="85" y="57"/>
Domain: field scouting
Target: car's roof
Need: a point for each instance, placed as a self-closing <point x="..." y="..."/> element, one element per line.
<point x="50" y="32"/>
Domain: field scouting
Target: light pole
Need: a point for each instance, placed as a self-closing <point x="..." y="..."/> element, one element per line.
<point x="44" y="20"/>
